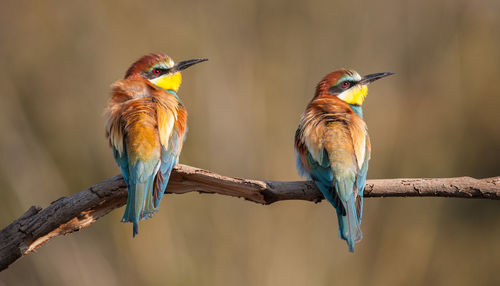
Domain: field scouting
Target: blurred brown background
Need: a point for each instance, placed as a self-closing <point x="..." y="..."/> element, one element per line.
<point x="437" y="117"/>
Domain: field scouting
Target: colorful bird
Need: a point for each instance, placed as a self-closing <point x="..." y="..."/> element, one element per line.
<point x="146" y="124"/>
<point x="332" y="146"/>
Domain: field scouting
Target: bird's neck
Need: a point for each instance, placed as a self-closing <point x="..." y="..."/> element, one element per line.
<point x="357" y="109"/>
<point x="172" y="93"/>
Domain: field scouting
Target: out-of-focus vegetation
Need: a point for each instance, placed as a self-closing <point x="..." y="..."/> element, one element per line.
<point x="437" y="117"/>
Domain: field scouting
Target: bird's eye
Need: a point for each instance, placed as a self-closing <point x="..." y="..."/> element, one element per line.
<point x="156" y="71"/>
<point x="345" y="84"/>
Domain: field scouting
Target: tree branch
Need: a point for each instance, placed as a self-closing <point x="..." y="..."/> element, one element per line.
<point x="68" y="214"/>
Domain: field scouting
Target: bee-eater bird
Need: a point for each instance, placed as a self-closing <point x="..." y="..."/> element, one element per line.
<point x="146" y="124"/>
<point x="332" y="146"/>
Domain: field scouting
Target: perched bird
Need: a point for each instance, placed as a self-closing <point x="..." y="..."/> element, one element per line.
<point x="332" y="146"/>
<point x="146" y="125"/>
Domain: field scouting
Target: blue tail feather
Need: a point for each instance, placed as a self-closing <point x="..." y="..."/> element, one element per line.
<point x="130" y="210"/>
<point x="349" y="223"/>
<point x="140" y="191"/>
<point x="348" y="219"/>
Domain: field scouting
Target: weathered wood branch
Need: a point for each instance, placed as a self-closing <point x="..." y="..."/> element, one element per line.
<point x="68" y="214"/>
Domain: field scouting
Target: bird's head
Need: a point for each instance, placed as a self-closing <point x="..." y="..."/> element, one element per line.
<point x="348" y="85"/>
<point x="160" y="70"/>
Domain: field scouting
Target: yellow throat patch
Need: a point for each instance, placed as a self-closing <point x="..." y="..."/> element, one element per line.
<point x="168" y="81"/>
<point x="355" y="95"/>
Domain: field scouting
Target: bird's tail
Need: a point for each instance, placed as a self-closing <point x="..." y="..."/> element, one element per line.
<point x="140" y="201"/>
<point x="349" y="225"/>
<point x="348" y="217"/>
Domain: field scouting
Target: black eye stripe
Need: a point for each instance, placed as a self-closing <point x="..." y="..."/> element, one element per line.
<point x="162" y="71"/>
<point x="351" y="82"/>
<point x="338" y="88"/>
<point x="152" y="75"/>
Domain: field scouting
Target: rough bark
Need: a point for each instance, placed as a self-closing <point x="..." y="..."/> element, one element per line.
<point x="68" y="214"/>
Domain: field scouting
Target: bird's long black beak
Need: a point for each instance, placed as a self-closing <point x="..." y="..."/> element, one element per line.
<point x="185" y="64"/>
<point x="373" y="77"/>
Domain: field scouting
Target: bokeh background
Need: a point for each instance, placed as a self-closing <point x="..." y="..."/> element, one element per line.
<point x="437" y="117"/>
